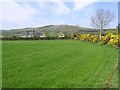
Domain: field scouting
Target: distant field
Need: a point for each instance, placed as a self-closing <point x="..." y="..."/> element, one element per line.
<point x="57" y="64"/>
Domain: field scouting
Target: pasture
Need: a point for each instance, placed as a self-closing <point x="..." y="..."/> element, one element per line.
<point x="57" y="64"/>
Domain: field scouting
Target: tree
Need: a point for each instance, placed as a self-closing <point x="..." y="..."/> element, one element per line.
<point x="101" y="19"/>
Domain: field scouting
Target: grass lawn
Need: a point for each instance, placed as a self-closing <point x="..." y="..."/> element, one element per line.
<point x="57" y="64"/>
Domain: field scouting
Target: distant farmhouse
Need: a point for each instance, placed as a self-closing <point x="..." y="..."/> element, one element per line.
<point x="61" y="35"/>
<point x="32" y="33"/>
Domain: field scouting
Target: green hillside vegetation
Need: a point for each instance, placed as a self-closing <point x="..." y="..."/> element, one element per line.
<point x="47" y="29"/>
<point x="54" y="29"/>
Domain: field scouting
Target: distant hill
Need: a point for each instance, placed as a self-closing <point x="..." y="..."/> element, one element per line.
<point x="51" y="29"/>
<point x="46" y="29"/>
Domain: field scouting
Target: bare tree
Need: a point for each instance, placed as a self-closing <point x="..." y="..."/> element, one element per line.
<point x="101" y="19"/>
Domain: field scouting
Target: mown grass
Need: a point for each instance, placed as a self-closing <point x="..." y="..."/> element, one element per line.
<point x="57" y="64"/>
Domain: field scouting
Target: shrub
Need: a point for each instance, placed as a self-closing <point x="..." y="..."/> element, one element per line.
<point x="105" y="39"/>
<point x="114" y="40"/>
<point x="89" y="37"/>
<point x="111" y="39"/>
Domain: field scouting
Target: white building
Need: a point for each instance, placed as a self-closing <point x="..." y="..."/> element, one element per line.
<point x="42" y="35"/>
<point x="61" y="35"/>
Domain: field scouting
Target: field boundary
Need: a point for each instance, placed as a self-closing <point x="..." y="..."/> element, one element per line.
<point x="107" y="82"/>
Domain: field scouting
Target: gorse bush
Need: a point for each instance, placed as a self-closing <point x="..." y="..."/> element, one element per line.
<point x="114" y="40"/>
<point x="111" y="39"/>
<point x="89" y="37"/>
<point x="105" y="39"/>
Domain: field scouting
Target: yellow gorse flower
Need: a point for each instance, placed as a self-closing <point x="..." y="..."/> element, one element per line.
<point x="111" y="39"/>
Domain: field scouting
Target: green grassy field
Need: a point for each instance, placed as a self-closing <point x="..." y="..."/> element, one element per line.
<point x="57" y="64"/>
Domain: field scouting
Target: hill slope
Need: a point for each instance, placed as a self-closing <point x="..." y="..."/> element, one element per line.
<point x="47" y="29"/>
<point x="54" y="29"/>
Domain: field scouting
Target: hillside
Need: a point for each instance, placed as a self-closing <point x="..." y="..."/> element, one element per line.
<point x="52" y="29"/>
<point x="47" y="29"/>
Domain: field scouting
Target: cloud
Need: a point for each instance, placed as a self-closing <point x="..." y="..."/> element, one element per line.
<point x="15" y="13"/>
<point x="20" y="13"/>
<point x="61" y="7"/>
<point x="79" y="5"/>
<point x="90" y="10"/>
<point x="56" y="7"/>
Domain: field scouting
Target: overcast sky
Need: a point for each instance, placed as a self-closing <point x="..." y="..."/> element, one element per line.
<point x="16" y="14"/>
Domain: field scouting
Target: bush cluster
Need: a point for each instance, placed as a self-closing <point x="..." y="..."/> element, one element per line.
<point x="89" y="37"/>
<point x="114" y="40"/>
<point x="111" y="39"/>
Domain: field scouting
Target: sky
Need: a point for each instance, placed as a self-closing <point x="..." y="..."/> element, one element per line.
<point x="21" y="14"/>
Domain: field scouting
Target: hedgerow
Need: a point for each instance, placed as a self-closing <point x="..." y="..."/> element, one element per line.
<point x="110" y="38"/>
